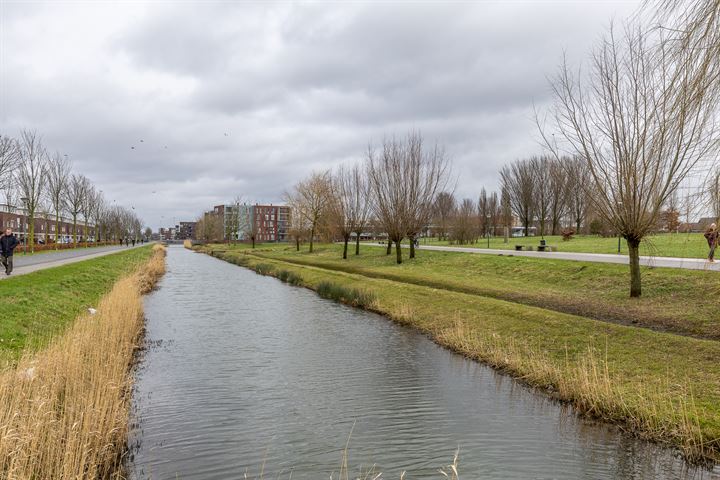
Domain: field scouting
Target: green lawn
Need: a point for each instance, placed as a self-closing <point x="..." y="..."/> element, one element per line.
<point x="681" y="301"/>
<point x="687" y="245"/>
<point x="37" y="305"/>
<point x="516" y="314"/>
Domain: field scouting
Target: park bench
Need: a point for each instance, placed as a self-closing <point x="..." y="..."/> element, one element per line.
<point x="543" y="247"/>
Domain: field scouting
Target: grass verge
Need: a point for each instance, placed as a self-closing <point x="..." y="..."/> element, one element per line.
<point x="675" y="300"/>
<point x="659" y="385"/>
<point x="65" y="409"/>
<point x="41" y="304"/>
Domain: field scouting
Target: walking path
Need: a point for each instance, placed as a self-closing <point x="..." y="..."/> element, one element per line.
<point x="669" y="262"/>
<point x="40" y="261"/>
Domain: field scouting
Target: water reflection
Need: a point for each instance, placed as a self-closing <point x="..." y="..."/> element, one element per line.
<point x="244" y="370"/>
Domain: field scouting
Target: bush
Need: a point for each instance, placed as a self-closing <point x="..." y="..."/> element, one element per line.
<point x="289" y="277"/>
<point x="568" y="234"/>
<point x="350" y="296"/>
<point x="264" y="268"/>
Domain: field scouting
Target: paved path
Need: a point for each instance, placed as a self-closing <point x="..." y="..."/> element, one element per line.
<point x="670" y="262"/>
<point x="31" y="263"/>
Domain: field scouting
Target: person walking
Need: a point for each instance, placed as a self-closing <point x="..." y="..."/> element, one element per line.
<point x="8" y="242"/>
<point x="711" y="235"/>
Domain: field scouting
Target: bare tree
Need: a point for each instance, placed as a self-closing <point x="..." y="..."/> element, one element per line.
<point x="348" y="207"/>
<point x="444" y="210"/>
<point x="58" y="176"/>
<point x="465" y="223"/>
<point x="86" y="206"/>
<point x="577" y="194"/>
<point x="542" y="190"/>
<point x="712" y="187"/>
<point x="311" y="196"/>
<point x="426" y="172"/>
<point x="558" y="187"/>
<point x="32" y="177"/>
<point x="506" y="214"/>
<point x="641" y="119"/>
<point x="74" y="199"/>
<point x="9" y="159"/>
<point x="97" y="212"/>
<point x="386" y="175"/>
<point x="483" y="210"/>
<point x="494" y="213"/>
<point x="518" y="182"/>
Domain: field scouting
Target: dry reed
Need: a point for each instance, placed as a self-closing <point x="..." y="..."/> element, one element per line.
<point x="652" y="410"/>
<point x="64" y="410"/>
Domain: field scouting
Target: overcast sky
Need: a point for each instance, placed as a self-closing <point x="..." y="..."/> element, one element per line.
<point x="222" y="99"/>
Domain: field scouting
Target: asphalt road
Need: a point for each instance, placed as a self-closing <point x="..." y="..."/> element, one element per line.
<point x="30" y="263"/>
<point x="668" y="262"/>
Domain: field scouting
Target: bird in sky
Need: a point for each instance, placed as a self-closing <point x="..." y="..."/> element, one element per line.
<point x="132" y="148"/>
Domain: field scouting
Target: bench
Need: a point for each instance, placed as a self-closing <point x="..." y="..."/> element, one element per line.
<point x="540" y="248"/>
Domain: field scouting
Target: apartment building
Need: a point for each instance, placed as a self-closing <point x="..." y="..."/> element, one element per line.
<point x="45" y="229"/>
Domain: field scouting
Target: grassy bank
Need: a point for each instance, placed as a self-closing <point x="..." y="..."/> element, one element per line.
<point x="40" y="304"/>
<point x="679" y="301"/>
<point x="660" y="385"/>
<point x="65" y="408"/>
<point x="683" y="245"/>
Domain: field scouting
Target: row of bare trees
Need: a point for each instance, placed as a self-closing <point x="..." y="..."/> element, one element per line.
<point x="643" y="117"/>
<point x="547" y="191"/>
<point x="44" y="186"/>
<point x="393" y="191"/>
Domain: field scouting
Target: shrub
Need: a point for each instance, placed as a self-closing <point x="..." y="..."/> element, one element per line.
<point x="350" y="296"/>
<point x="264" y="268"/>
<point x="289" y="277"/>
<point x="567" y="234"/>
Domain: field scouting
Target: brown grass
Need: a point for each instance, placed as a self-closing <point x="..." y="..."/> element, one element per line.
<point x="64" y="410"/>
<point x="653" y="410"/>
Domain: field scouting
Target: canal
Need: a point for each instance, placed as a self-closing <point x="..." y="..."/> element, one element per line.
<point x="244" y="373"/>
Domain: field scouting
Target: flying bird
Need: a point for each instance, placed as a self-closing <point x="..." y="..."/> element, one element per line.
<point x="226" y="134"/>
<point x="132" y="148"/>
<point x="141" y="141"/>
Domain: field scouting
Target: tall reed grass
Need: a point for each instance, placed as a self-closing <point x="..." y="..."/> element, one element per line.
<point x="64" y="410"/>
<point x="653" y="410"/>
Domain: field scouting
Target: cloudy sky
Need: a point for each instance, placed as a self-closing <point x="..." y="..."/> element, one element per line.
<point x="222" y="99"/>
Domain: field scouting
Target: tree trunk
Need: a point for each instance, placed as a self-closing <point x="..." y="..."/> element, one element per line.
<point x="634" y="252"/>
<point x="357" y="244"/>
<point x="389" y="247"/>
<point x="74" y="231"/>
<point x="577" y="224"/>
<point x="345" y="246"/>
<point x="398" y="252"/>
<point x="297" y="243"/>
<point x="312" y="236"/>
<point x="253" y="242"/>
<point x="412" y="247"/>
<point x="57" y="228"/>
<point x="30" y="242"/>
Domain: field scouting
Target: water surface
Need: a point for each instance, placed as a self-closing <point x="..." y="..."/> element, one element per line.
<point x="243" y="370"/>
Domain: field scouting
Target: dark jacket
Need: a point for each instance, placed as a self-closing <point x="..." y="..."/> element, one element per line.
<point x="712" y="237"/>
<point x="8" y="244"/>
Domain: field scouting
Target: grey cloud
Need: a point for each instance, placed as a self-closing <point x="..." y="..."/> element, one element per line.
<point x="295" y="87"/>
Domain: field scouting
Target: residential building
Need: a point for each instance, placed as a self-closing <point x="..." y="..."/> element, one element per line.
<point x="186" y="230"/>
<point x="45" y="228"/>
<point x="269" y="222"/>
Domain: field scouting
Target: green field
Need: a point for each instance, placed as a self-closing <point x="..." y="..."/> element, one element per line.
<point x="684" y="245"/>
<point x="568" y="327"/>
<point x="681" y="301"/>
<point x="37" y="305"/>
